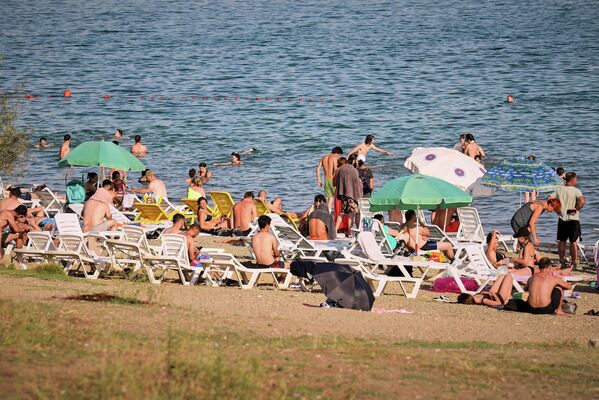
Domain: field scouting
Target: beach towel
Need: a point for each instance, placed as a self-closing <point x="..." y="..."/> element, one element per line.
<point x="322" y="213"/>
<point x="349" y="183"/>
<point x="102" y="195"/>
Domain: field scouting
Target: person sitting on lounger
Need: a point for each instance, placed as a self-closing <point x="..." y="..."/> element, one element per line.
<point x="209" y="224"/>
<point x="493" y="255"/>
<point x="96" y="211"/>
<point x="35" y="216"/>
<point x="264" y="245"/>
<point x="422" y="242"/>
<point x="178" y="225"/>
<point x="193" y="251"/>
<point x="545" y="291"/>
<point x="390" y="233"/>
<point x="525" y="262"/>
<point x="244" y="212"/>
<point x="17" y="230"/>
<point x="320" y="221"/>
<point x="497" y="296"/>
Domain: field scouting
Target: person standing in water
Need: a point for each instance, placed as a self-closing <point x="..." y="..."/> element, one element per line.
<point x="65" y="148"/>
<point x="329" y="163"/>
<point x="363" y="148"/>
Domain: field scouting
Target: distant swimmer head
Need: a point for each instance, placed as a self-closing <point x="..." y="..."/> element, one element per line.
<point x="67" y="137"/>
<point x="137" y="138"/>
<point x="532" y="157"/>
<point x="478" y="158"/>
<point x="235" y="158"/>
<point x="118" y="133"/>
<point x="509" y="98"/>
<point x="43" y="142"/>
<point x="337" y="150"/>
<point x="470" y="138"/>
<point x="369" y="139"/>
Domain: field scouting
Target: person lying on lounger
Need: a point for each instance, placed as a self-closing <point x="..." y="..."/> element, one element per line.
<point x="496" y="296"/>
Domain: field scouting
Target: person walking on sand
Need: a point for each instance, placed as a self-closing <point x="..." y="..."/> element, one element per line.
<point x="349" y="191"/>
<point x="65" y="147"/>
<point x="329" y="163"/>
<point x="545" y="291"/>
<point x="568" y="225"/>
<point x="363" y="148"/>
<point x="138" y="149"/>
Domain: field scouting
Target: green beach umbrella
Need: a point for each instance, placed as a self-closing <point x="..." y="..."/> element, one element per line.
<point x="416" y="192"/>
<point x="102" y="154"/>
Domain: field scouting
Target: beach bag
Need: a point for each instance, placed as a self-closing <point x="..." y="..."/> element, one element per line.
<point x="75" y="192"/>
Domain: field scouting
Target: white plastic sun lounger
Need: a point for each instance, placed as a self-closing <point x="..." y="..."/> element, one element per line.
<point x="173" y="256"/>
<point x="36" y="249"/>
<point x="247" y="277"/>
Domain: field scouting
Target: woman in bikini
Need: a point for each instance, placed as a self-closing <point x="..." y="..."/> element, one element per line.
<point x="524" y="264"/>
<point x="209" y="224"/>
<point x="203" y="173"/>
<point x="472" y="149"/>
<point x="497" y="296"/>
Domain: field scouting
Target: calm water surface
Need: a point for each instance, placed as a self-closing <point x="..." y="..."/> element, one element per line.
<point x="414" y="73"/>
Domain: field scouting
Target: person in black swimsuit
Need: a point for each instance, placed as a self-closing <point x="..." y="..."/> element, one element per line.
<point x="207" y="223"/>
<point x="497" y="296"/>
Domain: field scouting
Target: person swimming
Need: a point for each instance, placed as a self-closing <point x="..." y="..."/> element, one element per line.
<point x="235" y="161"/>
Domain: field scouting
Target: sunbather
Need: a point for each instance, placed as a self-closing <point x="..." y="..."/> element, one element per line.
<point x="209" y="224"/>
<point x="422" y="242"/>
<point x="178" y="225"/>
<point x="525" y="262"/>
<point x="545" y="291"/>
<point x="244" y="212"/>
<point x="391" y="233"/>
<point x="493" y="255"/>
<point x="496" y="296"/>
<point x="96" y="211"/>
<point x="17" y="230"/>
<point x="193" y="251"/>
<point x="264" y="245"/>
<point x="35" y="215"/>
<point x="320" y="221"/>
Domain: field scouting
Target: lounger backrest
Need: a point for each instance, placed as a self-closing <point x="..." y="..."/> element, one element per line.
<point x="49" y="201"/>
<point x="380" y="236"/>
<point x="68" y="224"/>
<point x="118" y="216"/>
<point x="261" y="207"/>
<point x="77" y="208"/>
<point x="364" y="205"/>
<point x="191" y="204"/>
<point x="75" y="244"/>
<point x="175" y="246"/>
<point x="133" y="234"/>
<point x="39" y="240"/>
<point x="369" y="246"/>
<point x="470" y="229"/>
<point x="223" y="202"/>
<point x="151" y="211"/>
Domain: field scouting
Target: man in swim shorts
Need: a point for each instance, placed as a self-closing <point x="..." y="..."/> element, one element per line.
<point x="329" y="163"/>
<point x="264" y="245"/>
<point x="244" y="212"/>
<point x="96" y="211"/>
<point x="421" y="240"/>
<point x="545" y="290"/>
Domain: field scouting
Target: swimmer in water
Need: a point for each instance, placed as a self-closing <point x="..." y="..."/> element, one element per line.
<point x="363" y="148"/>
<point x="510" y="99"/>
<point x="235" y="161"/>
<point x="43" y="143"/>
<point x="118" y="134"/>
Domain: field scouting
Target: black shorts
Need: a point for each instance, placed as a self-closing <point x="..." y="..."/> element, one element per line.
<point x="556" y="299"/>
<point x="568" y="230"/>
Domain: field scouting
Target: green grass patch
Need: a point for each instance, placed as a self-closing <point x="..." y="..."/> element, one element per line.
<point x="43" y="271"/>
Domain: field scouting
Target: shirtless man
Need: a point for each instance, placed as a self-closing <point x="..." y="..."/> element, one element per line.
<point x="15" y="220"/>
<point x="545" y="290"/>
<point x="155" y="186"/>
<point x="244" y="212"/>
<point x="320" y="221"/>
<point x="178" y="225"/>
<point x="264" y="245"/>
<point x="270" y="206"/>
<point x="363" y="148"/>
<point x="96" y="211"/>
<point x="138" y="149"/>
<point x="471" y="148"/>
<point x="526" y="257"/>
<point x="65" y="147"/>
<point x="422" y="242"/>
<point x="34" y="215"/>
<point x="193" y="251"/>
<point x="329" y="163"/>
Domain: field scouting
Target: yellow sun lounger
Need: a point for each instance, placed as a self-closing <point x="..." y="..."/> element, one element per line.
<point x="193" y="206"/>
<point x="223" y="203"/>
<point x="261" y="207"/>
<point x="153" y="212"/>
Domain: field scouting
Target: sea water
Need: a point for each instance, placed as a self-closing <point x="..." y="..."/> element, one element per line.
<point x="200" y="79"/>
